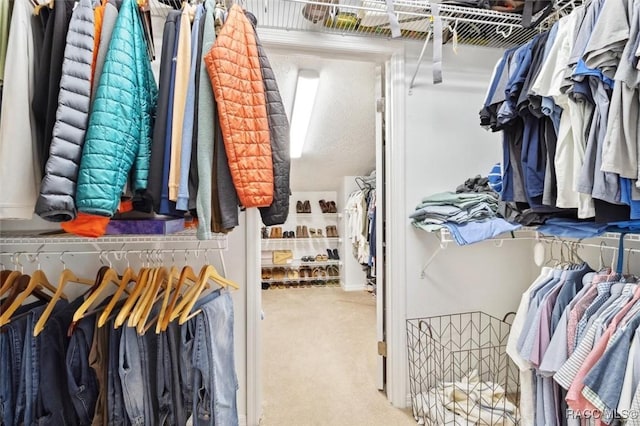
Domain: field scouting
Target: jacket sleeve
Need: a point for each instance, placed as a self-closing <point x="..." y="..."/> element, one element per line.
<point x="148" y="100"/>
<point x="56" y="202"/>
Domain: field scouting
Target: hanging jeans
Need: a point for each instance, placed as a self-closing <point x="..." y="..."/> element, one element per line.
<point x="130" y="370"/>
<point x="215" y="380"/>
<point x="81" y="378"/>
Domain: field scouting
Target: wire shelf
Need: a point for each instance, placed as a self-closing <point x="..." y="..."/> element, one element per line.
<point x="369" y="18"/>
<point x="46" y="239"/>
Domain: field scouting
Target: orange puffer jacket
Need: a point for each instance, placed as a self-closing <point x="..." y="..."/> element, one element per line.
<point x="234" y="69"/>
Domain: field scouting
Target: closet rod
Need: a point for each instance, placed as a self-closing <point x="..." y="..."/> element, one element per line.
<point x="122" y="252"/>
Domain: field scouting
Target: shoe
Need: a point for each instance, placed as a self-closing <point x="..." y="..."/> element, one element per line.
<point x="329" y="254"/>
<point x="266" y="273"/>
<point x="306" y="206"/>
<point x="319" y="233"/>
<point x="332" y="207"/>
<point x="312" y="232"/>
<point x="333" y="271"/>
<point x="272" y="233"/>
<point x="299" y="207"/>
<point x="319" y="272"/>
<point x="321" y="258"/>
<point x="335" y="254"/>
<point x="292" y="273"/>
<point x="324" y="206"/>
<point x="298" y="231"/>
<point x="265" y="232"/>
<point x="305" y="232"/>
<point x="334" y="230"/>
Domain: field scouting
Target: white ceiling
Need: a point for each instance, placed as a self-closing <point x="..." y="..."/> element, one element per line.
<point x="341" y="137"/>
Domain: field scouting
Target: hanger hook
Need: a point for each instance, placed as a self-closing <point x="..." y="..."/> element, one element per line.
<point x="603" y="244"/>
<point x="64" y="265"/>
<point x="504" y="33"/>
<point x="186" y="252"/>
<point x="173" y="256"/>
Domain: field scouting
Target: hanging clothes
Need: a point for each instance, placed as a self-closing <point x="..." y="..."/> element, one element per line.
<point x="277" y="213"/>
<point x="56" y="202"/>
<point x="585" y="85"/>
<point x="19" y="163"/>
<point x="47" y="89"/>
<point x="246" y="138"/>
<point x="107" y="375"/>
<point x="100" y="181"/>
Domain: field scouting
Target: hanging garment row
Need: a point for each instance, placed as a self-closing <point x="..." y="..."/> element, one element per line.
<point x="84" y="125"/>
<point x="361" y="222"/>
<point x="567" y="106"/>
<point x="574" y="339"/>
<point x="156" y="351"/>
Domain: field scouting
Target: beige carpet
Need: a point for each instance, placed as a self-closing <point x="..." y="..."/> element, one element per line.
<point x="319" y="360"/>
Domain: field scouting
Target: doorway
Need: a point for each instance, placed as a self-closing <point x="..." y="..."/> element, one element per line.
<point x="392" y="55"/>
<point x="321" y="324"/>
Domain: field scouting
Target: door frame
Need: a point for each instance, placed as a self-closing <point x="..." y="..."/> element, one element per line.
<point x="392" y="54"/>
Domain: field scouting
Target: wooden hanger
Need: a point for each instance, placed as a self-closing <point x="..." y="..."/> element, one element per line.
<point x="138" y="309"/>
<point x="207" y="273"/>
<point x="20" y="285"/>
<point x="66" y="276"/>
<point x="9" y="280"/>
<point x="40" y="6"/>
<point x="173" y="312"/>
<point x="38" y="280"/>
<point x="145" y="276"/>
<point x="110" y="276"/>
<point x="173" y="274"/>
<point x="164" y="277"/>
<point x="127" y="276"/>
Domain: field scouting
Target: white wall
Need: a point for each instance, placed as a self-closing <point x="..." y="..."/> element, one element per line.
<point x="444" y="146"/>
<point x="341" y="136"/>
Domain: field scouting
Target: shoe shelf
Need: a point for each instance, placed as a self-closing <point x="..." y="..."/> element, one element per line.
<point x="300" y="280"/>
<point x="289" y="241"/>
<point x="297" y="263"/>
<point x="317" y="215"/>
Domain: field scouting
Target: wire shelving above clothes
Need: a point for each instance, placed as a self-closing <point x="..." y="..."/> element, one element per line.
<point x="531" y="234"/>
<point x="369" y="18"/>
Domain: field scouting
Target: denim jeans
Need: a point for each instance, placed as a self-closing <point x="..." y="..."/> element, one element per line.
<point x="116" y="411"/>
<point x="13" y="404"/>
<point x="6" y="385"/>
<point x="131" y="377"/>
<point x="181" y="410"/>
<point x="215" y="380"/>
<point x="148" y="347"/>
<point x="54" y="405"/>
<point x="31" y="366"/>
<point x="81" y="378"/>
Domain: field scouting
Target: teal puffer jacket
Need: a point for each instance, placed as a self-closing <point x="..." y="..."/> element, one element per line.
<point x="119" y="134"/>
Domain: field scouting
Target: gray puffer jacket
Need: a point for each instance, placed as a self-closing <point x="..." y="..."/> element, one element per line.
<point x="56" y="202"/>
<point x="277" y="212"/>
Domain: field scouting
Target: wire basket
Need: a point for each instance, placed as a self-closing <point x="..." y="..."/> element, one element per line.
<point x="460" y="373"/>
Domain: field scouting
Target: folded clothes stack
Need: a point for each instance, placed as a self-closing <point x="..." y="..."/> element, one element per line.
<point x="456" y="211"/>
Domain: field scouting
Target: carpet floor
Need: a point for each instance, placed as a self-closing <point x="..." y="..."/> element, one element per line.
<point x="320" y="360"/>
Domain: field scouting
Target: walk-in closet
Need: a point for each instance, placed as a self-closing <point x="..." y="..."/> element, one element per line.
<point x="319" y="212"/>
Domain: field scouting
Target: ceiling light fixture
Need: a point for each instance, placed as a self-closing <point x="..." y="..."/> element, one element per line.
<point x="305" y="97"/>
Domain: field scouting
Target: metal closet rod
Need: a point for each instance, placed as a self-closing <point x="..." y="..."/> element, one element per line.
<point x="33" y="256"/>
